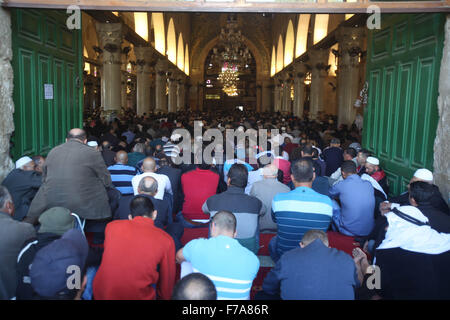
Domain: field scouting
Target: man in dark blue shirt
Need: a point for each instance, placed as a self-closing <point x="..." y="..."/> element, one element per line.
<point x="333" y="156"/>
<point x="312" y="272"/>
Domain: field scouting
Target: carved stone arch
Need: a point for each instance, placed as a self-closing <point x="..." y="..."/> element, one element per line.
<point x="199" y="57"/>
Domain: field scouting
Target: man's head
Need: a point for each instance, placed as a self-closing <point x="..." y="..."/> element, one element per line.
<point x="362" y="156"/>
<point x="149" y="165"/>
<point x="223" y="223"/>
<point x="349" y="154"/>
<point x="25" y="164"/>
<point x="238" y="176"/>
<point x="142" y="206"/>
<point x="139" y="147"/>
<point x="106" y="145"/>
<point x="307" y="150"/>
<point x="312" y="235"/>
<point x="38" y="163"/>
<point x="6" y="202"/>
<point x="302" y="172"/>
<point x="423" y="175"/>
<point x="194" y="286"/>
<point x="348" y="168"/>
<point x="121" y="157"/>
<point x="148" y="186"/>
<point x="372" y="165"/>
<point x="420" y="193"/>
<point x="77" y="135"/>
<point x="270" y="171"/>
<point x="335" y="142"/>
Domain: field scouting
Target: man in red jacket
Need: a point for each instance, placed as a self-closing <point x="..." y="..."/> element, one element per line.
<point x="139" y="259"/>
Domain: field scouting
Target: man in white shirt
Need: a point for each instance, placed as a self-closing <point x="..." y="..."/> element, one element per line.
<point x="149" y="168"/>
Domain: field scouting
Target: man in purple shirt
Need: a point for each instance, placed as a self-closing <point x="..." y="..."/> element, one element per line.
<point x="355" y="217"/>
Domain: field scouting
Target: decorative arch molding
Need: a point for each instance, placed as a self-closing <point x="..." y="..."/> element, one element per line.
<point x="199" y="57"/>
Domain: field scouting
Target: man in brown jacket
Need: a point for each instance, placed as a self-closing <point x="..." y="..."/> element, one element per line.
<point x="74" y="177"/>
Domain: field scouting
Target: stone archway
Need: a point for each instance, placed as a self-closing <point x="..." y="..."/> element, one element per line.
<point x="198" y="67"/>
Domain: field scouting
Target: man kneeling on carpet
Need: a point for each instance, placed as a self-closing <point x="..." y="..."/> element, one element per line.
<point x="230" y="266"/>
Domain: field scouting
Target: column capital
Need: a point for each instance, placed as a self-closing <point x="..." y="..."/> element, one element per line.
<point x="110" y="36"/>
<point x="350" y="37"/>
<point x="161" y="66"/>
<point x="144" y="57"/>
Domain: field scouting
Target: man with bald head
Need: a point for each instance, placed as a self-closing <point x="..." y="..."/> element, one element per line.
<point x="265" y="190"/>
<point x="122" y="174"/>
<point x="74" y="176"/>
<point x="149" y="170"/>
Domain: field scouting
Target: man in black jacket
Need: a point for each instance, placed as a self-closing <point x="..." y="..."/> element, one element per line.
<point x="23" y="183"/>
<point x="13" y="235"/>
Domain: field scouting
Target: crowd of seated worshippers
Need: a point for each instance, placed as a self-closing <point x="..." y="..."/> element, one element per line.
<point x="113" y="201"/>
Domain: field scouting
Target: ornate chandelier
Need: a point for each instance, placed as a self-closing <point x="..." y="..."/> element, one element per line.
<point x="231" y="47"/>
<point x="231" y="54"/>
<point x="229" y="78"/>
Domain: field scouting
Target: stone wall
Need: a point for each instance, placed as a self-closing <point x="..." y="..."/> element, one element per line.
<point x="6" y="92"/>
<point x="442" y="142"/>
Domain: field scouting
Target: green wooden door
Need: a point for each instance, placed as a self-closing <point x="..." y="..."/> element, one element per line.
<point x="401" y="117"/>
<point x="45" y="51"/>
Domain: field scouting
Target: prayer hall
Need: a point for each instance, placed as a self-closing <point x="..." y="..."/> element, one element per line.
<point x="260" y="150"/>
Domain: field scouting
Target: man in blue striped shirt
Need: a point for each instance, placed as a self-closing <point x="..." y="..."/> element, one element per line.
<point x="121" y="174"/>
<point x="298" y="211"/>
<point x="230" y="266"/>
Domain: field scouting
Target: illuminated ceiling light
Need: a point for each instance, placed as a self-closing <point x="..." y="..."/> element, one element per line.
<point x="320" y="27"/>
<point x="332" y="60"/>
<point x="141" y="24"/>
<point x="289" y="44"/>
<point x="280" y="54"/>
<point x="158" y="28"/>
<point x="186" y="60"/>
<point x="302" y="34"/>
<point x="116" y="13"/>
<point x="171" y="43"/>
<point x="273" y="63"/>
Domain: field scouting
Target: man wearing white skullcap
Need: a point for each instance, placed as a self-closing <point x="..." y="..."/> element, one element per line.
<point x="424" y="175"/>
<point x="23" y="183"/>
<point x="373" y="169"/>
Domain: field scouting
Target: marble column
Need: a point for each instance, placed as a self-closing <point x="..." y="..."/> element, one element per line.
<point x="277" y="96"/>
<point x="143" y="72"/>
<point x="299" y="89"/>
<point x="350" y="41"/>
<point x="318" y="60"/>
<point x="181" y="93"/>
<point x="124" y="85"/>
<point x="258" y="96"/>
<point x="265" y="96"/>
<point x="110" y="36"/>
<point x="160" y="86"/>
<point x="286" y="103"/>
<point x="172" y="97"/>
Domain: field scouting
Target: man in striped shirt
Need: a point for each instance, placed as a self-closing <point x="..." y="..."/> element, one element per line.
<point x="230" y="266"/>
<point x="298" y="211"/>
<point x="121" y="173"/>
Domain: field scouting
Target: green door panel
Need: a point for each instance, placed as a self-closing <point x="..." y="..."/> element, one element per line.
<point x="400" y="120"/>
<point x="44" y="52"/>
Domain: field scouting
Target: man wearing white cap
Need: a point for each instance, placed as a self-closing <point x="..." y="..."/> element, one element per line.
<point x="373" y="169"/>
<point x="425" y="175"/>
<point x="23" y="183"/>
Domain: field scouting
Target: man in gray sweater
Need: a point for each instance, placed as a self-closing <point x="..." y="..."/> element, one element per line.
<point x="265" y="190"/>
